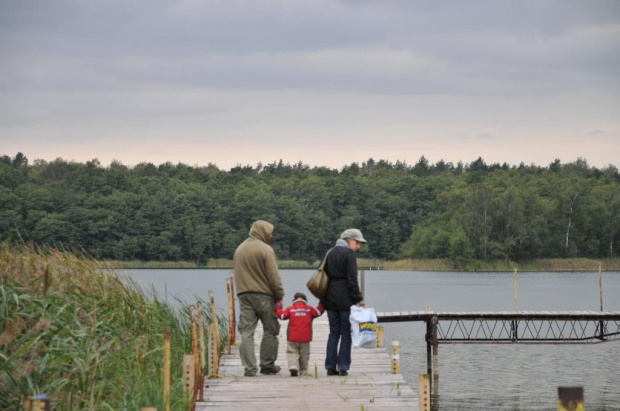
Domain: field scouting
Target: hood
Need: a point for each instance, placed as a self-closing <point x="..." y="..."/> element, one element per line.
<point x="262" y="230"/>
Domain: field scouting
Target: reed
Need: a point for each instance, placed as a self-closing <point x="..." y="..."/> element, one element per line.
<point x="73" y="329"/>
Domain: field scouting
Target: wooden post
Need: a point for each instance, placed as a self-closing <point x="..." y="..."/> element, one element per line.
<point x="570" y="399"/>
<point x="213" y="356"/>
<point x="363" y="284"/>
<point x="428" y="337"/>
<point x="188" y="374"/>
<point x="201" y="341"/>
<point x="516" y="292"/>
<point x="195" y="351"/>
<point x="600" y="285"/>
<point x="229" y="300"/>
<point x="234" y="308"/>
<point x="148" y="408"/>
<point x="215" y="321"/>
<point x="600" y="291"/>
<point x="435" y="343"/>
<point x="424" y="384"/>
<point x="166" y="396"/>
<point x="37" y="403"/>
<point x="380" y="340"/>
<point x="395" y="357"/>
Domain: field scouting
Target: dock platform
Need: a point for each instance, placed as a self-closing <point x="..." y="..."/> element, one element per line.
<point x="370" y="384"/>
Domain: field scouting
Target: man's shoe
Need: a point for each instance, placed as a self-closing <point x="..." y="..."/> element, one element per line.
<point x="249" y="374"/>
<point x="294" y="373"/>
<point x="343" y="373"/>
<point x="270" y="371"/>
<point x="332" y="371"/>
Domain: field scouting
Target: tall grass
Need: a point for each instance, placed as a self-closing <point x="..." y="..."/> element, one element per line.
<point x="72" y="329"/>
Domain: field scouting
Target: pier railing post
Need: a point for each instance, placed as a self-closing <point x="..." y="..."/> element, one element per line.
<point x="37" y="403"/>
<point x="201" y="342"/>
<point x="380" y="339"/>
<point x="166" y="394"/>
<point x="188" y="374"/>
<point x="195" y="352"/>
<point x="516" y="292"/>
<point x="424" y="384"/>
<point x="395" y="357"/>
<point x="363" y="283"/>
<point x="215" y="320"/>
<point x="233" y="328"/>
<point x="229" y="341"/>
<point x="570" y="399"/>
<point x="213" y="354"/>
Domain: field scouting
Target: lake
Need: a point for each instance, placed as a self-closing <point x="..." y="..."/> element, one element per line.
<point x="472" y="376"/>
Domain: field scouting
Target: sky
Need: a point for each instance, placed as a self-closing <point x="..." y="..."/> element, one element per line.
<point x="324" y="82"/>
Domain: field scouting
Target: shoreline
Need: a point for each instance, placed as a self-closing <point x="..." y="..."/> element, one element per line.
<point x="439" y="265"/>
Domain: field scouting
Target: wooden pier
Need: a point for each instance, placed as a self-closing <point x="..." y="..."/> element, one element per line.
<point x="370" y="384"/>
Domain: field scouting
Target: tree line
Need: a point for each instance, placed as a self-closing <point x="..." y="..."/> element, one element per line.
<point x="172" y="212"/>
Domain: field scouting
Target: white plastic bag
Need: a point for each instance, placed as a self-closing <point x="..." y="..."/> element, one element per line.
<point x="363" y="327"/>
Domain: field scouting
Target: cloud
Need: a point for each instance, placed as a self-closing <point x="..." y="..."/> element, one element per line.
<point x="262" y="77"/>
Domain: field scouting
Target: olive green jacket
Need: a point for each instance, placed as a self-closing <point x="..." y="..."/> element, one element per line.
<point x="255" y="264"/>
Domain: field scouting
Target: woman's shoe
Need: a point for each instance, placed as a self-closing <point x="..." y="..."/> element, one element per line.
<point x="332" y="371"/>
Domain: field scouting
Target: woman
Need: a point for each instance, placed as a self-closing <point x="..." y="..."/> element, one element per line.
<point x="343" y="291"/>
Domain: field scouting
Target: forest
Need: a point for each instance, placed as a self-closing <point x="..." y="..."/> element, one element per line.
<point x="177" y="212"/>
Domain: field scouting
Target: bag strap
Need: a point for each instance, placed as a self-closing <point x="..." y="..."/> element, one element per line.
<point x="322" y="266"/>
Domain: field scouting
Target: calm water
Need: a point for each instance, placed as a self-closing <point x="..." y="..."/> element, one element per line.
<point x="477" y="376"/>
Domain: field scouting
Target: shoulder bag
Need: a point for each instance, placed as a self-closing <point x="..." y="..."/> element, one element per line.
<point x="317" y="284"/>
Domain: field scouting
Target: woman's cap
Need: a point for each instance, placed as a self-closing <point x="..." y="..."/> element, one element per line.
<point x="353" y="233"/>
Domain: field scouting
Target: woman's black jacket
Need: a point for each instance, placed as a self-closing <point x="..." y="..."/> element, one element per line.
<point x="343" y="290"/>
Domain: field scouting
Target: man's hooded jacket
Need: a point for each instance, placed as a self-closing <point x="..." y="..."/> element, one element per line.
<point x="255" y="263"/>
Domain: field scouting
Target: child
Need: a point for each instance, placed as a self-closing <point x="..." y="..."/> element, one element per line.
<point x="299" y="333"/>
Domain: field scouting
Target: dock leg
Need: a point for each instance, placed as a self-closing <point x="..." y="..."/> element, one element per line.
<point x="435" y="344"/>
<point x="429" y="364"/>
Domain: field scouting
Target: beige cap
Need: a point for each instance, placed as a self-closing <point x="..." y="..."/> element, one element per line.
<point x="353" y="233"/>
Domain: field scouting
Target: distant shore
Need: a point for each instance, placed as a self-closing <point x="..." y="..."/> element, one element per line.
<point x="545" y="264"/>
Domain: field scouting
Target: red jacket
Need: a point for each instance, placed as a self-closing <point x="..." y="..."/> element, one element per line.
<point x="300" y="316"/>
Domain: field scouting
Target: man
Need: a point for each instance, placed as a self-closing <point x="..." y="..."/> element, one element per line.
<point x="259" y="288"/>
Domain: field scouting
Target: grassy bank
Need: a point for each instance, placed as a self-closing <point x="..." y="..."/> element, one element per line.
<point x="83" y="336"/>
<point x="550" y="264"/>
<point x="211" y="263"/>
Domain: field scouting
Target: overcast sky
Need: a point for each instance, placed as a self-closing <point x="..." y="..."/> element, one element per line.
<point x="324" y="82"/>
